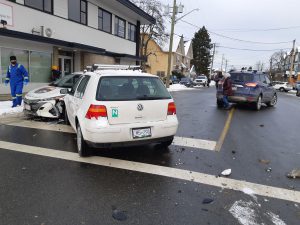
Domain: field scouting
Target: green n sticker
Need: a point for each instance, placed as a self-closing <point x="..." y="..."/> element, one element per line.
<point x="115" y="113"/>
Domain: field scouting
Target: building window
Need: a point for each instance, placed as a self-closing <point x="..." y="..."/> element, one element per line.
<point x="131" y="32"/>
<point x="78" y="11"/>
<point x="104" y="20"/>
<point x="43" y="5"/>
<point x="120" y="27"/>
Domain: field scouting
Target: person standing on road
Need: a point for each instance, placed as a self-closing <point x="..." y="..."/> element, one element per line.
<point x="227" y="90"/>
<point x="218" y="77"/>
<point x="17" y="76"/>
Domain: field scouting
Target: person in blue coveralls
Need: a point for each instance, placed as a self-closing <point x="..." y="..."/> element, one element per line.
<point x="17" y="76"/>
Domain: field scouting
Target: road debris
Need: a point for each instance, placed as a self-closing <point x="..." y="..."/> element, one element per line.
<point x="294" y="174"/>
<point x="233" y="152"/>
<point x="119" y="215"/>
<point x="262" y="125"/>
<point x="207" y="201"/>
<point x="269" y="170"/>
<point x="226" y="173"/>
<point x="263" y="161"/>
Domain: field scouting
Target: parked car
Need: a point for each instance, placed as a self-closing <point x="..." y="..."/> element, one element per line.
<point x="114" y="108"/>
<point x="282" y="86"/>
<point x="201" y="80"/>
<point x="187" y="82"/>
<point x="47" y="101"/>
<point x="174" y="80"/>
<point x="249" y="87"/>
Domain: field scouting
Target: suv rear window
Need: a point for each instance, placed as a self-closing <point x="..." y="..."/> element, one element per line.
<point x="131" y="89"/>
<point x="242" y="77"/>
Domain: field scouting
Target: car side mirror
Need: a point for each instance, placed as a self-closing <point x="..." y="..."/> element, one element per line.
<point x="66" y="91"/>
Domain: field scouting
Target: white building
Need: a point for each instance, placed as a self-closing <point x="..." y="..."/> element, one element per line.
<point x="69" y="33"/>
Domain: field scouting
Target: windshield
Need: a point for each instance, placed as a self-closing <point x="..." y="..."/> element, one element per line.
<point x="66" y="81"/>
<point x="201" y="77"/>
<point x="131" y="89"/>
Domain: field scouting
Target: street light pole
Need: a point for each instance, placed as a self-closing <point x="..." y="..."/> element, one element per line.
<point x="171" y="44"/>
<point x="292" y="61"/>
<point x="212" y="61"/>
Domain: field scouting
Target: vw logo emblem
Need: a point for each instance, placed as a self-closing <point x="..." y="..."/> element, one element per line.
<point x="140" y="107"/>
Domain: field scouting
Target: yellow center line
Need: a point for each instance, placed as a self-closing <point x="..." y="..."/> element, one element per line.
<point x="225" y="131"/>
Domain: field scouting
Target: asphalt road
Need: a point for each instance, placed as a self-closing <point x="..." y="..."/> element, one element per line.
<point x="40" y="189"/>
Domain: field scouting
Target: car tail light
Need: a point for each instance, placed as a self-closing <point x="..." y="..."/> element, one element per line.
<point x="171" y="109"/>
<point x="96" y="111"/>
<point x="251" y="84"/>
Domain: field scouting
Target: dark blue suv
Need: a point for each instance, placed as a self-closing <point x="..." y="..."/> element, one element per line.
<point x="249" y="87"/>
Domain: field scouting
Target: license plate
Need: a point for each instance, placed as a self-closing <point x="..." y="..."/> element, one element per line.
<point x="27" y="107"/>
<point x="141" y="132"/>
<point x="234" y="88"/>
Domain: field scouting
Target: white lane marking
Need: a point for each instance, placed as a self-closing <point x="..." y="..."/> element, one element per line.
<point x="221" y="182"/>
<point x="195" y="143"/>
<point x="179" y="141"/>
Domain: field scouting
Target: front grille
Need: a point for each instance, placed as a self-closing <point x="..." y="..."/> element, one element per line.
<point x="28" y="101"/>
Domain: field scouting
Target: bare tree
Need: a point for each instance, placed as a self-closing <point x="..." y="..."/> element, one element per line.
<point x="277" y="61"/>
<point x="156" y="32"/>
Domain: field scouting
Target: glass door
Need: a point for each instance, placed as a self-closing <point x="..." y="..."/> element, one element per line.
<point x="65" y="65"/>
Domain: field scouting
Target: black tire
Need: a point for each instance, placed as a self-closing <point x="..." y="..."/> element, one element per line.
<point x="82" y="146"/>
<point x="273" y="102"/>
<point x="66" y="118"/>
<point x="166" y="144"/>
<point x="258" y="103"/>
<point x="219" y="103"/>
<point x="281" y="89"/>
<point x="298" y="93"/>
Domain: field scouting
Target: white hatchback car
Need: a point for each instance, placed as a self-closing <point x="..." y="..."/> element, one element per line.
<point x="116" y="108"/>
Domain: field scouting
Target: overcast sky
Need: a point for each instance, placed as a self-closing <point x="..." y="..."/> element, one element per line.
<point x="245" y="20"/>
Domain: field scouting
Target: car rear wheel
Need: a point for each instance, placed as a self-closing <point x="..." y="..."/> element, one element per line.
<point x="281" y="89"/>
<point x="273" y="102"/>
<point x="166" y="144"/>
<point x="219" y="103"/>
<point x="82" y="146"/>
<point x="258" y="103"/>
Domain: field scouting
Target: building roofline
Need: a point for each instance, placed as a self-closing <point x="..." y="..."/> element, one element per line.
<point x="137" y="10"/>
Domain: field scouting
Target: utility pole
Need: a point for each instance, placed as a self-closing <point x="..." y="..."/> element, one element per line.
<point x="171" y="43"/>
<point x="222" y="63"/>
<point x="212" y="61"/>
<point x="271" y="65"/>
<point x="292" y="61"/>
<point x="226" y="65"/>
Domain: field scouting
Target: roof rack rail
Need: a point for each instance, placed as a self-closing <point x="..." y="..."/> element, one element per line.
<point x="113" y="67"/>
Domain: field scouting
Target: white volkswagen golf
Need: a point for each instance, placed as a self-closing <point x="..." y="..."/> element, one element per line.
<point x="115" y="108"/>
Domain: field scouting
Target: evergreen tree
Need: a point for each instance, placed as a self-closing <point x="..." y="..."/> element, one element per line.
<point x="201" y="48"/>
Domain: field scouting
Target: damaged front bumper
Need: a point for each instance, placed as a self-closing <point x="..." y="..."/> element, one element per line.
<point x="49" y="109"/>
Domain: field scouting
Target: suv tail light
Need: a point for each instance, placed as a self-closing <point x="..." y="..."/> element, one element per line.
<point x="171" y="109"/>
<point x="251" y="84"/>
<point x="96" y="111"/>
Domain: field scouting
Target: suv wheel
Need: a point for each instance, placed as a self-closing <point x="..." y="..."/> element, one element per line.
<point x="258" y="103"/>
<point x="282" y="89"/>
<point x="82" y="146"/>
<point x="273" y="101"/>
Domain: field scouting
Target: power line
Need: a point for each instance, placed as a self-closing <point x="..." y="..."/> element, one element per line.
<point x="254" y="50"/>
<point x="240" y="40"/>
<point x="259" y="30"/>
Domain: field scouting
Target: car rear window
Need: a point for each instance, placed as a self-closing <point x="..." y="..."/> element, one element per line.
<point x="242" y="77"/>
<point x="131" y="89"/>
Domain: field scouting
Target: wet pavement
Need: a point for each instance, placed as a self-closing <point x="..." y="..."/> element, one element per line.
<point x="260" y="147"/>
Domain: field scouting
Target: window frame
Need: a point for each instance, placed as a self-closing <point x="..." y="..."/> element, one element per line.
<point x="117" y="18"/>
<point x="130" y="25"/>
<point x="80" y="94"/>
<point x="80" y="11"/>
<point x="111" y="21"/>
<point x="42" y="10"/>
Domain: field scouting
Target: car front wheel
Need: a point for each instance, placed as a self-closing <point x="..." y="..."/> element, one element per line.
<point x="82" y="146"/>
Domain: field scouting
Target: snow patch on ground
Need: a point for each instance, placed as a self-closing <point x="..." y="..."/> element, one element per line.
<point x="6" y="109"/>
<point x="244" y="212"/>
<point x="178" y="87"/>
<point x="275" y="219"/>
<point x="250" y="192"/>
